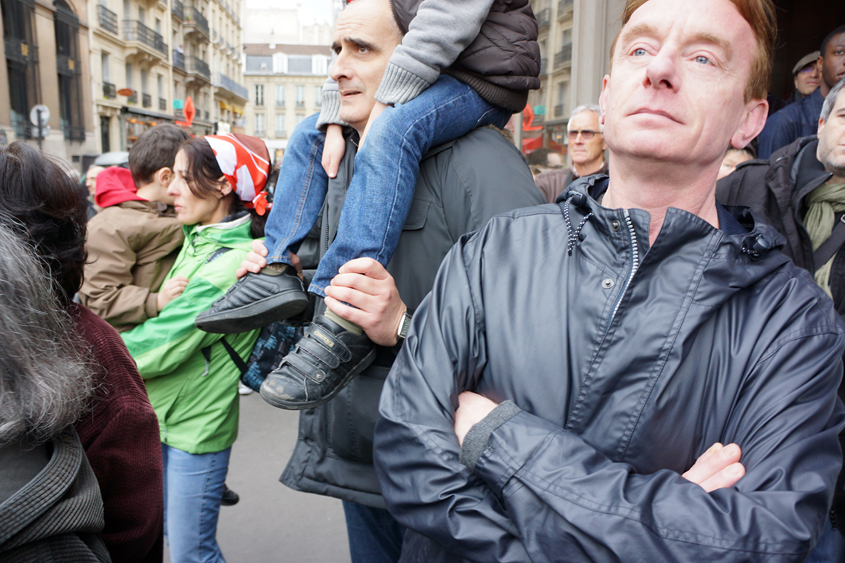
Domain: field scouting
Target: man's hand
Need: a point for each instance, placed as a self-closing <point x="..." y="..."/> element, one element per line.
<point x="333" y="149"/>
<point x="170" y="290"/>
<point x="472" y="408"/>
<point x="365" y="284"/>
<point x="255" y="260"/>
<point x="717" y="468"/>
<point x="377" y="110"/>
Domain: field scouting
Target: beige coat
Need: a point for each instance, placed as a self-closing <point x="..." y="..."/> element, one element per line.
<point x="131" y="247"/>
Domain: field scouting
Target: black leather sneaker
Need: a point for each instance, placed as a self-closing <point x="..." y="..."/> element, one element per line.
<point x="324" y="360"/>
<point x="255" y="301"/>
<point x="230" y="497"/>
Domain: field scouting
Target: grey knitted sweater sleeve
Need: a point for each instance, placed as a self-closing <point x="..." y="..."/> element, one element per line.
<point x="330" y="110"/>
<point x="441" y="30"/>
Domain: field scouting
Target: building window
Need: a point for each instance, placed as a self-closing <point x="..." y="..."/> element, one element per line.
<point x="318" y="96"/>
<point x="300" y="97"/>
<point x="69" y="68"/>
<point x="21" y="60"/>
<point x="259" y="124"/>
<point x="259" y="95"/>
<point x="106" y="66"/>
<point x="280" y="125"/>
<point x="299" y="118"/>
<point x="280" y="95"/>
<point x="562" y="95"/>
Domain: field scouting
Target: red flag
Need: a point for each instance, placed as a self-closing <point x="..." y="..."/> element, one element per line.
<point x="190" y="112"/>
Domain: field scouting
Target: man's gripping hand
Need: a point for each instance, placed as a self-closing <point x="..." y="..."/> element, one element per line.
<point x="717" y="468"/>
<point x="376" y="305"/>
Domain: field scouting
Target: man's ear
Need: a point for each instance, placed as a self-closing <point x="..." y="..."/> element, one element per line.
<point x="752" y="123"/>
<point x="164" y="176"/>
<point x="821" y="127"/>
<point x="603" y="98"/>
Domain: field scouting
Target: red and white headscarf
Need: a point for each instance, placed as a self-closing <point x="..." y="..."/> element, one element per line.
<point x="245" y="161"/>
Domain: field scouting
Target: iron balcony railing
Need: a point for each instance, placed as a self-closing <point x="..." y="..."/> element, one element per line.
<point x="559" y="110"/>
<point x="20" y="52"/>
<point x="68" y="66"/>
<point x="146" y="100"/>
<point x="178" y="60"/>
<point x="280" y="133"/>
<point x="199" y="19"/>
<point x="564" y="6"/>
<point x="108" y="19"/>
<point x="74" y="133"/>
<point x="133" y="98"/>
<point x="544" y="66"/>
<point x="544" y="16"/>
<point x="300" y="105"/>
<point x="280" y="104"/>
<point x="178" y="9"/>
<point x="199" y="66"/>
<point x="564" y="55"/>
<point x="134" y="30"/>
<point x="162" y="104"/>
<point x="109" y="91"/>
<point x="259" y="132"/>
<point x="232" y="86"/>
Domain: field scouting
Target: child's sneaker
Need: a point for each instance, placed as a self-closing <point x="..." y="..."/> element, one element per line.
<point x="255" y="301"/>
<point x="324" y="360"/>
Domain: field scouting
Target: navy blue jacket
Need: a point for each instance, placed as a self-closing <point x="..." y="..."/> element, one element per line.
<point x="627" y="361"/>
<point x="799" y="119"/>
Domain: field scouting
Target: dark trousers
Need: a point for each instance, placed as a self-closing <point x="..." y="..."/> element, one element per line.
<point x="374" y="535"/>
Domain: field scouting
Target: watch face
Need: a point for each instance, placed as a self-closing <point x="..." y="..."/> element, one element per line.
<point x="406" y="323"/>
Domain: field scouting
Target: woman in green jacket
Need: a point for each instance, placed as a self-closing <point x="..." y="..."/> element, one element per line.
<point x="190" y="377"/>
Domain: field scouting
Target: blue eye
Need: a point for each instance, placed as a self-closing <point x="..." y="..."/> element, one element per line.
<point x="639" y="52"/>
<point x="701" y="59"/>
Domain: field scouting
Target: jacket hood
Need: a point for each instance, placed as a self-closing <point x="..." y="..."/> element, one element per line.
<point x="114" y="186"/>
<point x="232" y="232"/>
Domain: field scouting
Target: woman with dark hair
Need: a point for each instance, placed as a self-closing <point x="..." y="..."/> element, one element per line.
<point x="119" y="432"/>
<point x="50" y="506"/>
<point x="190" y="376"/>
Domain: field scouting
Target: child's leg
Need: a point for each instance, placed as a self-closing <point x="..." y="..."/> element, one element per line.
<point x="299" y="194"/>
<point x="387" y="166"/>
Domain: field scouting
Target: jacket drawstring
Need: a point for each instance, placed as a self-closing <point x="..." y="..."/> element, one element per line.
<point x="574" y="234"/>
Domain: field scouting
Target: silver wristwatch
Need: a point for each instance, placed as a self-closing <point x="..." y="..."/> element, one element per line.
<point x="404" y="325"/>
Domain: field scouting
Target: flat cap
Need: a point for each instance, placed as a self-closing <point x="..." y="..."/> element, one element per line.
<point x="805" y="60"/>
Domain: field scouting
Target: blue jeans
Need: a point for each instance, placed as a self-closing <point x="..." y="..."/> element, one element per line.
<point x="382" y="188"/>
<point x="374" y="535"/>
<point x="831" y="546"/>
<point x="193" y="487"/>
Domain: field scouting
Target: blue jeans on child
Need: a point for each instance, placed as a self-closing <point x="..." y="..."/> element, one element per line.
<point x="382" y="188"/>
<point x="193" y="487"/>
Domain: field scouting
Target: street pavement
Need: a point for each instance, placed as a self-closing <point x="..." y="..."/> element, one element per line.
<point x="273" y="523"/>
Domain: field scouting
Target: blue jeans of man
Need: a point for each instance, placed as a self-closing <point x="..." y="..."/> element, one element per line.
<point x="831" y="546"/>
<point x="382" y="188"/>
<point x="193" y="488"/>
<point x="374" y="535"/>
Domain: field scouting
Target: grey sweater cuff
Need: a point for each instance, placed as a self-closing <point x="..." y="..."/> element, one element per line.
<point x="330" y="113"/>
<point x="399" y="86"/>
<point x="476" y="440"/>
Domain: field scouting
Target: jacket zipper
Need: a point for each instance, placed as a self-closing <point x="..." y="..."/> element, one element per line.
<point x="635" y="264"/>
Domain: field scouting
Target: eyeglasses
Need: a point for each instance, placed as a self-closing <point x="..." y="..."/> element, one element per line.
<point x="585" y="134"/>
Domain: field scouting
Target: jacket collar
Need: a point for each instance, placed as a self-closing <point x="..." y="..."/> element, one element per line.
<point x="746" y="233"/>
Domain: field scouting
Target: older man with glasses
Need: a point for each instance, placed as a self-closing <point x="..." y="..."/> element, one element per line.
<point x="586" y="152"/>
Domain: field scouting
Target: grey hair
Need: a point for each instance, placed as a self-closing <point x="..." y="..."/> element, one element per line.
<point x="45" y="382"/>
<point x="587" y="107"/>
<point x="830" y="100"/>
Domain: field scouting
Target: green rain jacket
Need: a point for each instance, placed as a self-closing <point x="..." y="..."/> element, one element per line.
<point x="196" y="401"/>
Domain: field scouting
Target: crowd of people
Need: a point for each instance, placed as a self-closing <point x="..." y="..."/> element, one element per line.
<point x="636" y="356"/>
